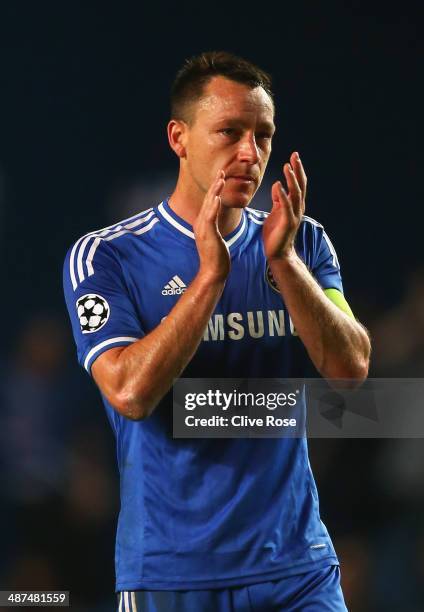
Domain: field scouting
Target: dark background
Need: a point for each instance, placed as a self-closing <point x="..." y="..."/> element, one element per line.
<point x="84" y="92"/>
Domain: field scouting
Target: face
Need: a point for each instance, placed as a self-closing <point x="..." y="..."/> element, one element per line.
<point x="231" y="129"/>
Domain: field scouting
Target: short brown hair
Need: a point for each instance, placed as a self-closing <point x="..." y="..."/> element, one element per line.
<point x="198" y="70"/>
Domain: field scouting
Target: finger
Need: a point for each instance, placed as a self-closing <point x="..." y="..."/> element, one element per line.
<point x="299" y="171"/>
<point x="212" y="205"/>
<point x="279" y="196"/>
<point x="220" y="186"/>
<point x="295" y="192"/>
<point x="217" y="185"/>
<point x="214" y="190"/>
<point x="211" y="210"/>
<point x="219" y="177"/>
<point x="217" y="188"/>
<point x="217" y="206"/>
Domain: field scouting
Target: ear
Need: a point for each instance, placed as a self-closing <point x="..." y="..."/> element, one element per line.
<point x="177" y="136"/>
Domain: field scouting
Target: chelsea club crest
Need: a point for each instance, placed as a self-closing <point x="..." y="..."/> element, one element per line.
<point x="270" y="279"/>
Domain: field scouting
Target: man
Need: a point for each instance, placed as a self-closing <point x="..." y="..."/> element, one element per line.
<point x="202" y="285"/>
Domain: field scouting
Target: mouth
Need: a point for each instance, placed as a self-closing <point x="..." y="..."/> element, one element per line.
<point x="242" y="178"/>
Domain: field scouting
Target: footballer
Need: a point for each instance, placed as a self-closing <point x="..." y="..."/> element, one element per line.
<point x="203" y="285"/>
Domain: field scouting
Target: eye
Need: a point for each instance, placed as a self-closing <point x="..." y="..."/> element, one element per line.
<point x="263" y="136"/>
<point x="227" y="131"/>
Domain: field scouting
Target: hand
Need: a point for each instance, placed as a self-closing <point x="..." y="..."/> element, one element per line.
<point x="280" y="228"/>
<point x="213" y="252"/>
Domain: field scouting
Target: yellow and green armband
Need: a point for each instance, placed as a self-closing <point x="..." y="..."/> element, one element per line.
<point x="339" y="300"/>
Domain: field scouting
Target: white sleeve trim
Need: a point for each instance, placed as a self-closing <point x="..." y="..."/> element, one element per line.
<point x="99" y="347"/>
<point x="332" y="250"/>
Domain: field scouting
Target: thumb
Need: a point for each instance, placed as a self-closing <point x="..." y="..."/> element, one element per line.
<point x="278" y="195"/>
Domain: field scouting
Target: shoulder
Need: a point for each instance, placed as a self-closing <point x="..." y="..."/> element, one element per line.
<point x="104" y="245"/>
<point x="316" y="239"/>
<point x="310" y="231"/>
<point x="310" y="222"/>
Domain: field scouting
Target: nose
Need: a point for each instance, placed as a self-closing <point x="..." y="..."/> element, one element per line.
<point x="248" y="150"/>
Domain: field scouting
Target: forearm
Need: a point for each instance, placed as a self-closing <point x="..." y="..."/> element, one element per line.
<point x="337" y="344"/>
<point x="135" y="378"/>
<point x="145" y="370"/>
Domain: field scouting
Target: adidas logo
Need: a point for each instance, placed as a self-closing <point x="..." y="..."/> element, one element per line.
<point x="175" y="286"/>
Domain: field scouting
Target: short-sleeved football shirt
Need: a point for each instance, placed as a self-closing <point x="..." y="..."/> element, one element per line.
<point x="202" y="513"/>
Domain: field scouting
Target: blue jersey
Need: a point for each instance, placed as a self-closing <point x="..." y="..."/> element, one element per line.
<point x="202" y="513"/>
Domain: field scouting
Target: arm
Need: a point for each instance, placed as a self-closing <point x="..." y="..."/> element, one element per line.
<point x="338" y="345"/>
<point x="135" y="378"/>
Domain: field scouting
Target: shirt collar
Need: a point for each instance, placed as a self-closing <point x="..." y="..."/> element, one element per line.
<point x="185" y="229"/>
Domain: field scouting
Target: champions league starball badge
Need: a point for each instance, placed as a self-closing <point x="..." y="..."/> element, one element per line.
<point x="270" y="279"/>
<point x="93" y="312"/>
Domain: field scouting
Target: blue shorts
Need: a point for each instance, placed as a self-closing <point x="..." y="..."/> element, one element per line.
<point x="316" y="591"/>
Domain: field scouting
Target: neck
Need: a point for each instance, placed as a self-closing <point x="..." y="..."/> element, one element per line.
<point x="187" y="206"/>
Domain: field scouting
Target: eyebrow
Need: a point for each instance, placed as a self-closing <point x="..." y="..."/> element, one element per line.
<point x="263" y="125"/>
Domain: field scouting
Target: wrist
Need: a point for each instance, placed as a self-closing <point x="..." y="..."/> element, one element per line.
<point x="211" y="278"/>
<point x="287" y="258"/>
